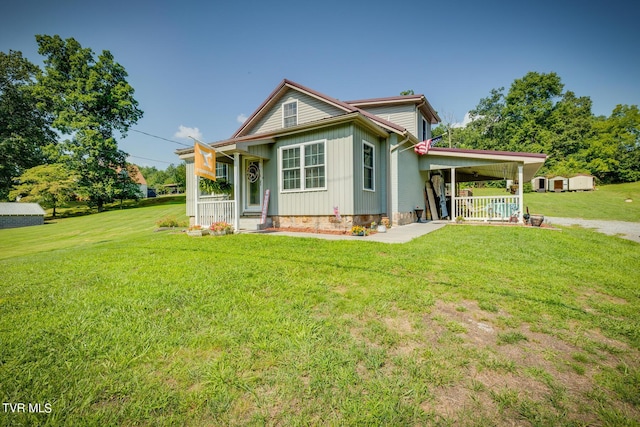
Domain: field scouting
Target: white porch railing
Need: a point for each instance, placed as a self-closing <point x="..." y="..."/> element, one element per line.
<point x="487" y="208"/>
<point x="210" y="211"/>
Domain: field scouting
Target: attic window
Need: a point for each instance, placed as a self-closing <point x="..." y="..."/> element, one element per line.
<point x="290" y="114"/>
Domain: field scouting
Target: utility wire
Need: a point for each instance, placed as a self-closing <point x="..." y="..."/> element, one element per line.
<point x="159" y="137"/>
<point x="152" y="160"/>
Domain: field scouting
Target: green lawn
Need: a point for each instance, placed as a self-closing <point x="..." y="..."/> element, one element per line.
<point x="606" y="202"/>
<point x="111" y="323"/>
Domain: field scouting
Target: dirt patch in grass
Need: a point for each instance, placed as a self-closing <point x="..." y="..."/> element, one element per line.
<point x="539" y="375"/>
<point x="490" y="366"/>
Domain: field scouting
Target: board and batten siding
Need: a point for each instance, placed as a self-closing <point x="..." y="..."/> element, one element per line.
<point x="309" y="110"/>
<point x="367" y="202"/>
<point x="190" y="184"/>
<point x="402" y="115"/>
<point x="338" y="173"/>
<point x="407" y="186"/>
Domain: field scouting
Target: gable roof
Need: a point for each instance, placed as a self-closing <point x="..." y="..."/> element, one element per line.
<point x="285" y="85"/>
<point x="136" y="175"/>
<point x="21" y="209"/>
<point x="419" y="100"/>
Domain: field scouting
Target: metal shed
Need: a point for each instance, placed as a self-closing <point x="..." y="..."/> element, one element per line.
<point x="539" y="184"/>
<point x="20" y="214"/>
<point x="582" y="182"/>
<point x="558" y="184"/>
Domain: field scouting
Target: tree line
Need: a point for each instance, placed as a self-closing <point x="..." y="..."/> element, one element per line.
<point x="60" y="124"/>
<point x="537" y="115"/>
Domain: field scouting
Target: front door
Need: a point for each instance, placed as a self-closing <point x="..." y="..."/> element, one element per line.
<point x="252" y="185"/>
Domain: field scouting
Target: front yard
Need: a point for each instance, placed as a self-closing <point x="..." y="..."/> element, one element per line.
<point x="113" y="324"/>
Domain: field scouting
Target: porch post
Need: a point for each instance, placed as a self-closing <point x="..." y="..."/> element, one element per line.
<point x="196" y="196"/>
<point x="453" y="195"/>
<point x="520" y="192"/>
<point x="236" y="191"/>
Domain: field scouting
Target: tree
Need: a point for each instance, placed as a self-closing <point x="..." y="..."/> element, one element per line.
<point x="90" y="101"/>
<point x="613" y="152"/>
<point x="24" y="126"/>
<point x="126" y="188"/>
<point x="51" y="185"/>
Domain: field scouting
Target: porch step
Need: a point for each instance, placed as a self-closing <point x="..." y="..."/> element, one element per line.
<point x="252" y="223"/>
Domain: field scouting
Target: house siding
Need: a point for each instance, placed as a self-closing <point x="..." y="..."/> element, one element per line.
<point x="407" y="185"/>
<point x="190" y="184"/>
<point x="368" y="202"/>
<point x="403" y="115"/>
<point x="338" y="172"/>
<point x="309" y="110"/>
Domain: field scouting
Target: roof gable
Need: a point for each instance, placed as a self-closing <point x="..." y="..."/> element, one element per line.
<point x="312" y="106"/>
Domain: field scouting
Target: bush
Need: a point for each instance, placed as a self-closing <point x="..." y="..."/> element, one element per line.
<point x="168" y="221"/>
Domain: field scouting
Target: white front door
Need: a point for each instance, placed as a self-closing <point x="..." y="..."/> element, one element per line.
<point x="252" y="185"/>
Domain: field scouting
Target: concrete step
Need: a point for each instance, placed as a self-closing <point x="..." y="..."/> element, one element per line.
<point x="252" y="223"/>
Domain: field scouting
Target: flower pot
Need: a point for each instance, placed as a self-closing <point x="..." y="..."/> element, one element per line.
<point x="382" y="229"/>
<point x="198" y="233"/>
<point x="536" y="220"/>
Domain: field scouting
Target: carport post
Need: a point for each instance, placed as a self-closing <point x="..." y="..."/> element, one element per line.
<point x="520" y="192"/>
<point x="453" y="195"/>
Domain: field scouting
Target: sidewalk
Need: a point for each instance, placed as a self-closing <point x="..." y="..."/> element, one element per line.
<point x="397" y="234"/>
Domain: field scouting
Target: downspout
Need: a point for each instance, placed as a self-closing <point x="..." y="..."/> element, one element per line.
<point x="395" y="147"/>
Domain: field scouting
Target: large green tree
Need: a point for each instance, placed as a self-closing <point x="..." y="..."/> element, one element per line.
<point x="91" y="102"/>
<point x="613" y="152"/>
<point x="51" y="185"/>
<point x="24" y="126"/>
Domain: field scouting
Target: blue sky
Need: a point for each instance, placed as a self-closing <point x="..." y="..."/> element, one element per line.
<point x="206" y="64"/>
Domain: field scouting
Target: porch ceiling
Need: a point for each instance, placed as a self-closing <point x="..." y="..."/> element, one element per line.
<point x="482" y="165"/>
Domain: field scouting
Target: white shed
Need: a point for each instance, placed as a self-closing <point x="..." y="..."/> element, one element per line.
<point x="17" y="214"/>
<point x="582" y="182"/>
<point x="558" y="184"/>
<point x="539" y="184"/>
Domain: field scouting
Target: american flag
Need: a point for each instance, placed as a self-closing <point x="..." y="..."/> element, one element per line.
<point x="423" y="147"/>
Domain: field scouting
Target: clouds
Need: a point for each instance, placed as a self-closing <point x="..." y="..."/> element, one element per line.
<point x="241" y="118"/>
<point x="465" y="121"/>
<point x="185" y="132"/>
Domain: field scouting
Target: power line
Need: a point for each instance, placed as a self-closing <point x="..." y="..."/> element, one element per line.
<point x="152" y="160"/>
<point x="159" y="137"/>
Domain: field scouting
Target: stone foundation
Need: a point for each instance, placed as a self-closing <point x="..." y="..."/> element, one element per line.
<point x="404" y="218"/>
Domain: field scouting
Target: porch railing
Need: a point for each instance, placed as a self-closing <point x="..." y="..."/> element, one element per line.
<point x="213" y="210"/>
<point x="487" y="208"/>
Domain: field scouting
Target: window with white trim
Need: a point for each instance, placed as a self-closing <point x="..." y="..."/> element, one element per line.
<point x="290" y="114"/>
<point x="368" y="166"/>
<point x="222" y="171"/>
<point x="303" y="167"/>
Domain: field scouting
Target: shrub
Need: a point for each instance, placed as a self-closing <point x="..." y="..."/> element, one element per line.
<point x="168" y="221"/>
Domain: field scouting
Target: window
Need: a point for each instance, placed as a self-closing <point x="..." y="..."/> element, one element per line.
<point x="303" y="167"/>
<point x="368" y="166"/>
<point x="222" y="171"/>
<point x="290" y="114"/>
<point x="424" y="130"/>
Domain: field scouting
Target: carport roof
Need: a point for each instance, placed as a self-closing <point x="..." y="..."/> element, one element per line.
<point x="483" y="165"/>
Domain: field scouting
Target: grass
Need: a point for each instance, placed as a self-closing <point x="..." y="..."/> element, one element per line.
<point x="114" y="324"/>
<point x="606" y="202"/>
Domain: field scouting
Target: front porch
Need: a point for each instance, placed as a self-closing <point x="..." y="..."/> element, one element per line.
<point x="211" y="210"/>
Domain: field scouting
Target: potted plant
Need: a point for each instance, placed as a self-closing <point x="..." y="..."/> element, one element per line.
<point x="197" y="231"/>
<point x="358" y="230"/>
<point x="221" y="228"/>
<point x="385" y="222"/>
